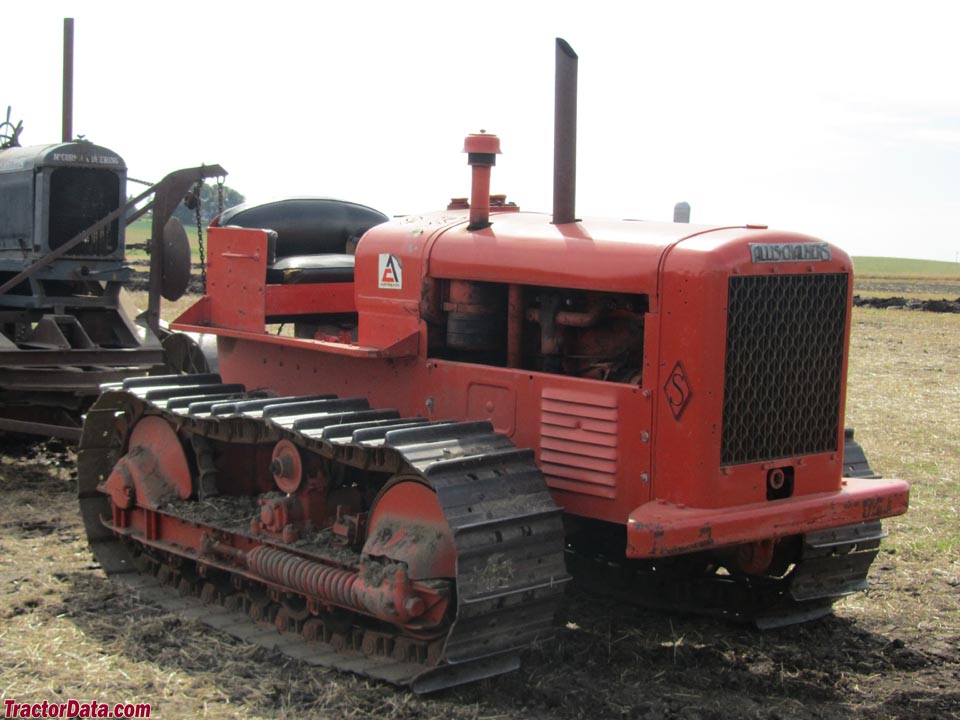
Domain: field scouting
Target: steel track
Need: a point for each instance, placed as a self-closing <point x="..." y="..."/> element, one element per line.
<point x="830" y="565"/>
<point x="492" y="494"/>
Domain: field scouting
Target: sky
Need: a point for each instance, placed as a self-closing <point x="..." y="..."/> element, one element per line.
<point x="836" y="119"/>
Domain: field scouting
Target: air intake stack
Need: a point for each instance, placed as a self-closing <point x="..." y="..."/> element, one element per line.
<point x="482" y="151"/>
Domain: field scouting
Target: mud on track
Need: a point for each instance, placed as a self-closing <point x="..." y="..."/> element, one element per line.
<point x="67" y="632"/>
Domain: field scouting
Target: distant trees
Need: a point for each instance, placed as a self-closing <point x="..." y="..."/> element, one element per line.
<point x="209" y="204"/>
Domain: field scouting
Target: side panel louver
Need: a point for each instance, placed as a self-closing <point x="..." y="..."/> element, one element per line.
<point x="578" y="441"/>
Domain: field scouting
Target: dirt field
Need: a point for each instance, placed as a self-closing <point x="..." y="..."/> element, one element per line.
<point x="66" y="632"/>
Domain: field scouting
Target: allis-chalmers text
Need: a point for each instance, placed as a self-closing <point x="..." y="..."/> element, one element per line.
<point x="790" y="252"/>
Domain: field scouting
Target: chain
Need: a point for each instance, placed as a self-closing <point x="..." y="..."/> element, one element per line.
<point x="198" y="209"/>
<point x="198" y="190"/>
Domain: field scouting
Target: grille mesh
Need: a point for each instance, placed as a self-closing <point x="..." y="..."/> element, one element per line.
<point x="785" y="336"/>
<point x="78" y="198"/>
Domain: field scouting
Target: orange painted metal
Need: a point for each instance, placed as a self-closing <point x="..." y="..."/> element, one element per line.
<point x="154" y="470"/>
<point x="579" y="451"/>
<point x="693" y="327"/>
<point x="644" y="455"/>
<point x="482" y="150"/>
<point x="661" y="528"/>
<point x="392" y="597"/>
<point x="285" y="300"/>
<point x="407" y="525"/>
<point x="526" y="249"/>
<point x="237" y="277"/>
<point x="286" y="466"/>
<point x="245" y="301"/>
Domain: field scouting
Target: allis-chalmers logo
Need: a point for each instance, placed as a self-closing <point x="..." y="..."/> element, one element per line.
<point x="790" y="252"/>
<point x="390" y="272"/>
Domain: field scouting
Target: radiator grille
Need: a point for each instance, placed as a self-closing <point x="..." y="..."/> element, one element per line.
<point x="78" y="198"/>
<point x="785" y="339"/>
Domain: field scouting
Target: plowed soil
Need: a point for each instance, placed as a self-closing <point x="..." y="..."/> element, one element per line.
<point x="67" y="632"/>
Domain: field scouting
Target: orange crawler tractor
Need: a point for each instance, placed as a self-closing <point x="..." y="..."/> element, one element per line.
<point x="476" y="403"/>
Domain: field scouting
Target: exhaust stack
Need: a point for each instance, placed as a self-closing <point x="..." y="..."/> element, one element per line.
<point x="67" y="131"/>
<point x="565" y="135"/>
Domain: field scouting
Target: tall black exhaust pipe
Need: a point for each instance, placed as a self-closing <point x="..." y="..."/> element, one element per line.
<point x="565" y="136"/>
<point x="67" y="80"/>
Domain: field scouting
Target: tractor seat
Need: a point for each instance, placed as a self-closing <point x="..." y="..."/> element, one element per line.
<point x="306" y="227"/>
<point x="307" y="269"/>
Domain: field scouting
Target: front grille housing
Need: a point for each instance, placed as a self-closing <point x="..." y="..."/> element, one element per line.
<point x="79" y="197"/>
<point x="784" y="362"/>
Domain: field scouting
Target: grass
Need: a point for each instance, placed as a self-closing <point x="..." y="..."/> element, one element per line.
<point x="895" y="267"/>
<point x="138" y="233"/>
<point x="904" y="399"/>
<point x="913" y="279"/>
<point x="169" y="311"/>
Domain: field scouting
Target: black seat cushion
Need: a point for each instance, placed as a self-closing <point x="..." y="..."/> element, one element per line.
<point x="306" y="226"/>
<point x="305" y="269"/>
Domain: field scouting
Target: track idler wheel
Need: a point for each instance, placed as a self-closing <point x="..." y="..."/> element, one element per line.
<point x="407" y="525"/>
<point x="408" y="537"/>
<point x="154" y="470"/>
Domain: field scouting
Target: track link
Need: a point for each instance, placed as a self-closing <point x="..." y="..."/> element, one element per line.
<point x="507" y="530"/>
<point x="831" y="564"/>
<point x="828" y="565"/>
